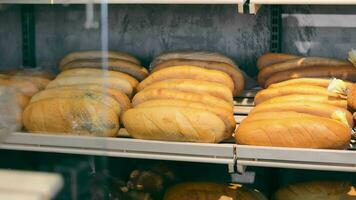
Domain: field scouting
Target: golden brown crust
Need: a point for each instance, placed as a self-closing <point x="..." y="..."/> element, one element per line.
<point x="272" y="58"/>
<point x="132" y="69"/>
<point x="321" y="82"/>
<point x="188" y="72"/>
<point x="26" y="87"/>
<point x="351" y="97"/>
<point x="344" y="72"/>
<point x="233" y="72"/>
<point x="171" y="123"/>
<point x="90" y="55"/>
<point x="305" y="132"/>
<point x="83" y="116"/>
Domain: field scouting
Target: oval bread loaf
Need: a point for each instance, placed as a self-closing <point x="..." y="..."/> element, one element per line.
<point x="211" y="191"/>
<point x="351" y="97"/>
<point x="188" y="72"/>
<point x="170" y="123"/>
<point x="317" y="109"/>
<point x="306" y="132"/>
<point x="273" y="92"/>
<point x="90" y="55"/>
<point x="79" y="116"/>
<point x="195" y="86"/>
<point x="227" y="117"/>
<point x="132" y="69"/>
<point x="27" y="88"/>
<point x="317" y="190"/>
<point x="114" y="83"/>
<point x="272" y="58"/>
<point x="233" y="72"/>
<point x="98" y="72"/>
<point x="321" y="82"/>
<point x="153" y="94"/>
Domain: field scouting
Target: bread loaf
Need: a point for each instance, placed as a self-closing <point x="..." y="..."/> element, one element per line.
<point x="114" y="83"/>
<point x="188" y="72"/>
<point x="321" y="82"/>
<point x="80" y="116"/>
<point x="174" y="124"/>
<point x="317" y="109"/>
<point x="317" y="190"/>
<point x="192" y="55"/>
<point x="153" y="94"/>
<point x="351" y="97"/>
<point x="274" y="115"/>
<point x="27" y="88"/>
<point x="344" y="72"/>
<point x="305" y="132"/>
<point x="273" y="92"/>
<point x="99" y="96"/>
<point x="301" y="64"/>
<point x="92" y="55"/>
<point x="99" y="72"/>
<point x="272" y="58"/>
<point x="195" y="86"/>
<point x="211" y="191"/>
<point x="233" y="72"/>
<point x="30" y="72"/>
<point x="335" y="101"/>
<point x="132" y="69"/>
<point x="227" y="117"/>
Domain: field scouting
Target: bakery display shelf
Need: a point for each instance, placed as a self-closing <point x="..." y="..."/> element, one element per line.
<point x="123" y="1"/>
<point x="225" y="153"/>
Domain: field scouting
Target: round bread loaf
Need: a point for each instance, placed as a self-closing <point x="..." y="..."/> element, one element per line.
<point x="110" y="82"/>
<point x="207" y="99"/>
<point x="188" y="72"/>
<point x="272" y="58"/>
<point x="232" y="71"/>
<point x="98" y="72"/>
<point x="335" y="101"/>
<point x="79" y="116"/>
<point x="195" y="86"/>
<point x="227" y="117"/>
<point x="170" y="123"/>
<point x="300" y="64"/>
<point x="273" y="92"/>
<point x="92" y="55"/>
<point x="132" y="69"/>
<point x="211" y="191"/>
<point x="99" y="96"/>
<point x="317" y="109"/>
<point x="317" y="190"/>
<point x="297" y="131"/>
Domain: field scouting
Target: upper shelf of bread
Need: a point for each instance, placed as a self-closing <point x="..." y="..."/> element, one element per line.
<point x="282" y="2"/>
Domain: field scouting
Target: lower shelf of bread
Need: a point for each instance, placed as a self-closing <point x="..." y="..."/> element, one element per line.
<point x="225" y="153"/>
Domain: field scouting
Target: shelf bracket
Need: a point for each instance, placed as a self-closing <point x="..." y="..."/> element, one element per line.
<point x="276" y="29"/>
<point x="28" y="36"/>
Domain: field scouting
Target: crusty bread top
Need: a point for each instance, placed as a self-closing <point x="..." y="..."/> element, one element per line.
<point x="322" y="82"/>
<point x="272" y="58"/>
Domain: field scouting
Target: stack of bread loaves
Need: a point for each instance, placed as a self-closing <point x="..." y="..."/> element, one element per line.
<point x="298" y="112"/>
<point x="85" y="98"/>
<point x="212" y="191"/>
<point x="25" y="82"/>
<point x="187" y="97"/>
<point x="317" y="190"/>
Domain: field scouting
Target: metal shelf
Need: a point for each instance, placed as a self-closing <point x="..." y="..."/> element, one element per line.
<point x="311" y="159"/>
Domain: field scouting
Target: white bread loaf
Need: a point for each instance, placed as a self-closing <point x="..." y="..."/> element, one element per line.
<point x="79" y="116"/>
<point x="269" y="93"/>
<point x="171" y="123"/>
<point x="188" y="72"/>
<point x="298" y="132"/>
<point x="113" y="83"/>
<point x="211" y="191"/>
<point x="132" y="69"/>
<point x="153" y="94"/>
<point x="195" y="86"/>
<point x="99" y="96"/>
<point x="227" y="117"/>
<point x="335" y="101"/>
<point x="272" y="58"/>
<point x="89" y="55"/>
<point x="99" y="72"/>
<point x="317" y="109"/>
<point x="232" y="71"/>
<point x="317" y="190"/>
